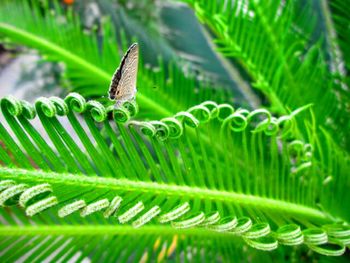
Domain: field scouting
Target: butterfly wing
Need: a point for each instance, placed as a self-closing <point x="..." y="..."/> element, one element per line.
<point x="123" y="84"/>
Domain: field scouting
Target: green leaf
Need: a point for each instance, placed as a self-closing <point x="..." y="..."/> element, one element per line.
<point x="79" y="179"/>
<point x="211" y="171"/>
<point x="337" y="23"/>
<point x="274" y="43"/>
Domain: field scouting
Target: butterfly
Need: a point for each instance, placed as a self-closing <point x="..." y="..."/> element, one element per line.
<point x="123" y="84"/>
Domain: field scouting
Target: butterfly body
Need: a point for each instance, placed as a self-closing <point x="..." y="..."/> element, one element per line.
<point x="123" y="84"/>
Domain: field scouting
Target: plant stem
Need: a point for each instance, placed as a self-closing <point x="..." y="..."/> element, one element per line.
<point x="241" y="199"/>
<point x="96" y="230"/>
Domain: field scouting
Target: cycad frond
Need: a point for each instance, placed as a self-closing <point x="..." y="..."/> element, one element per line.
<point x="90" y="60"/>
<point x="273" y="41"/>
<point x="340" y="11"/>
<point x="209" y="171"/>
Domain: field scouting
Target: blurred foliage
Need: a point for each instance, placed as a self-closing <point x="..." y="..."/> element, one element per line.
<point x="145" y="11"/>
<point x="341" y="38"/>
<point x="165" y="36"/>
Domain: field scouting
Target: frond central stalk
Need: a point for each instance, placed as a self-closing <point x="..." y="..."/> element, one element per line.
<point x="95" y="230"/>
<point x="242" y="199"/>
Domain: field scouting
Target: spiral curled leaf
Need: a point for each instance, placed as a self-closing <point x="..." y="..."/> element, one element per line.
<point x="97" y="110"/>
<point x="132" y="107"/>
<point x="190" y="221"/>
<point x="226" y="224"/>
<point x="290" y="235"/>
<point x="201" y="113"/>
<point x="296" y="148"/>
<point x="211" y="219"/>
<point x="11" y="195"/>
<point x="225" y="110"/>
<point x="307" y="151"/>
<point x="286" y="125"/>
<point x="272" y="128"/>
<point x="329" y="249"/>
<point x="41" y="205"/>
<point x="261" y="118"/>
<point x="145" y="127"/>
<point x="113" y="206"/>
<point x="11" y="105"/>
<point x="121" y="115"/>
<point x="212" y="107"/>
<point x="94" y="207"/>
<point x="28" y="110"/>
<point x="61" y="106"/>
<point x="4" y="184"/>
<point x="289" y="231"/>
<point x="243" y="111"/>
<point x="300" y="155"/>
<point x="337" y="230"/>
<point x="258" y="230"/>
<point x="146" y="217"/>
<point x="236" y="122"/>
<point x="76" y="102"/>
<point x="71" y="208"/>
<point x="174" y="126"/>
<point x="268" y="125"/>
<point x="34" y="198"/>
<point x="35" y="192"/>
<point x="162" y="130"/>
<point x="298" y="240"/>
<point x="187" y="118"/>
<point x="243" y="225"/>
<point x="315" y="236"/>
<point x="131" y="212"/>
<point x="175" y="213"/>
<point x="267" y="243"/>
<point x="345" y="240"/>
<point x="46" y="106"/>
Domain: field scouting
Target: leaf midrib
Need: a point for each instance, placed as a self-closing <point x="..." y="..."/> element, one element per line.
<point x="74" y="59"/>
<point x="98" y="230"/>
<point x="244" y="200"/>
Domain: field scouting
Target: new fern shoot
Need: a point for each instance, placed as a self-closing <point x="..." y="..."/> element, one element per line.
<point x="182" y="172"/>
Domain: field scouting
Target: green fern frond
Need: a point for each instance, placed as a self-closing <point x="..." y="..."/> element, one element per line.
<point x="340" y="40"/>
<point x="113" y="181"/>
<point x="81" y="179"/>
<point x="262" y="38"/>
<point x="273" y="42"/>
<point x="269" y="39"/>
<point x="91" y="60"/>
